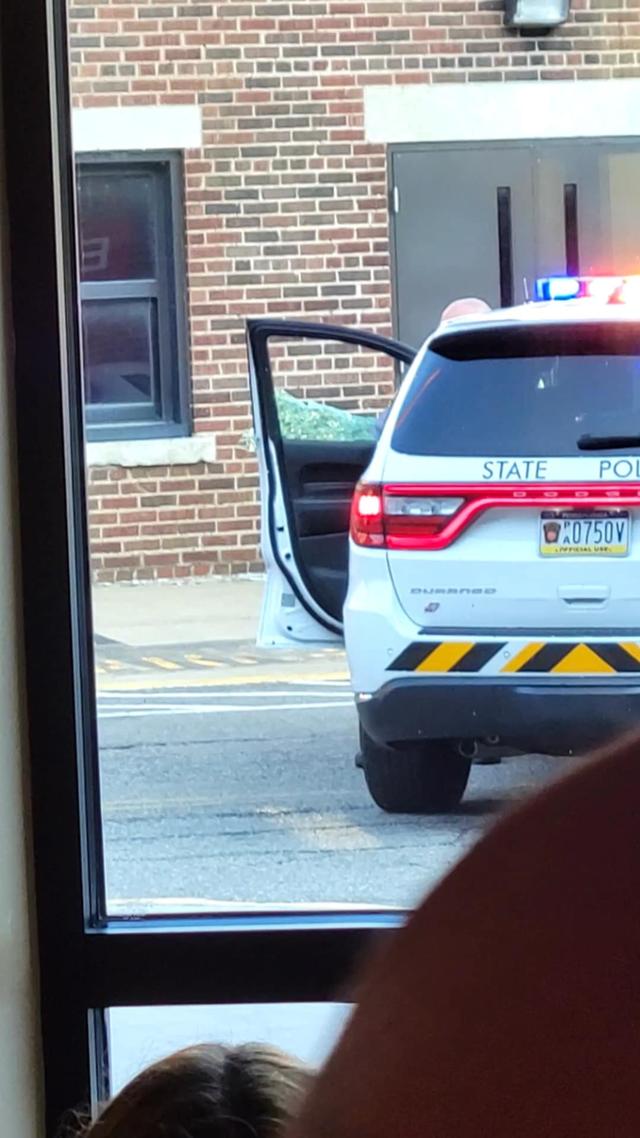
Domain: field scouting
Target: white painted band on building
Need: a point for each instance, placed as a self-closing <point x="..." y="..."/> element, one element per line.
<point x="153" y="452"/>
<point x="481" y="112"/>
<point x="167" y="127"/>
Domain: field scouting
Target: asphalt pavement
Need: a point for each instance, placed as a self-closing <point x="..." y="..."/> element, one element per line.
<point x="249" y="795"/>
<point x="228" y="775"/>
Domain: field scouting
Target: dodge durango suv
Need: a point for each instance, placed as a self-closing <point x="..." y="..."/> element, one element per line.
<point x="481" y="559"/>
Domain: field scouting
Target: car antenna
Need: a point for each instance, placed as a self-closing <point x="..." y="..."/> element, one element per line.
<point x="525" y="289"/>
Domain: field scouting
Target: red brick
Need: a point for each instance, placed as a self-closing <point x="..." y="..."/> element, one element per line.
<point x="281" y="94"/>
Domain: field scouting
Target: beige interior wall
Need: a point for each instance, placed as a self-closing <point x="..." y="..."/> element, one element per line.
<point x="20" y="1071"/>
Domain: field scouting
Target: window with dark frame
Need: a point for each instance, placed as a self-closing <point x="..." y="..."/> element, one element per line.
<point x="131" y="276"/>
<point x="88" y="961"/>
<point x="121" y="372"/>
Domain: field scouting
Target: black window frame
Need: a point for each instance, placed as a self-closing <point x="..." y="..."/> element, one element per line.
<point x="89" y="962"/>
<point x="114" y="421"/>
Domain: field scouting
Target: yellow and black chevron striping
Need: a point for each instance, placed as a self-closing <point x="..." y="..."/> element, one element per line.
<point x="558" y="657"/>
<point x="446" y="656"/>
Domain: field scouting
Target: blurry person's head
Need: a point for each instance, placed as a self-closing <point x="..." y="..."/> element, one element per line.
<point x="208" y="1091"/>
<point x="465" y="306"/>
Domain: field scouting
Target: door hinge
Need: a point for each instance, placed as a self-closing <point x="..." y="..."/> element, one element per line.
<point x="395" y="200"/>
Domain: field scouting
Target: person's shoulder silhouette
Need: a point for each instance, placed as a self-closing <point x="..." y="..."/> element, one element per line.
<point x="509" y="1006"/>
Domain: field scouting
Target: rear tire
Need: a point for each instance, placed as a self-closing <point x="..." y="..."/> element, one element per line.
<point x="427" y="778"/>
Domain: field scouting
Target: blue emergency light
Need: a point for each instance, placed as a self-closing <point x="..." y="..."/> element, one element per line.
<point x="608" y="290"/>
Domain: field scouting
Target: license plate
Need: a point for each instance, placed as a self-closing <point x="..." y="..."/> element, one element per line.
<point x="599" y="533"/>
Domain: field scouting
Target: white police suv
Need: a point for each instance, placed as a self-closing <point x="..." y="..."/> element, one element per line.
<point x="490" y="582"/>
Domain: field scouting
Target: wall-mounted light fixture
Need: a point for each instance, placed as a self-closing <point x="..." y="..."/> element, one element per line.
<point x="536" y="13"/>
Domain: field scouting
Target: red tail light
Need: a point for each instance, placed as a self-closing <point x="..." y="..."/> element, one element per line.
<point x="401" y="517"/>
<point x="366" y="515"/>
<point x="421" y="516"/>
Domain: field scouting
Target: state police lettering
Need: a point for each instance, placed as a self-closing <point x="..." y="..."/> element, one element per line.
<point x="514" y="470"/>
<point x="619" y="468"/>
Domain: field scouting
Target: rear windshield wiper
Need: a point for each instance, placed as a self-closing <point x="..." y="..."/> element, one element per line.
<point x="608" y="442"/>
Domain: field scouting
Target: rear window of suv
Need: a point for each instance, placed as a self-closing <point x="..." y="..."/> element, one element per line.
<point x="520" y="404"/>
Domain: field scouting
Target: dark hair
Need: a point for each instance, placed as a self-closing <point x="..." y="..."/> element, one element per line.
<point x="208" y="1091"/>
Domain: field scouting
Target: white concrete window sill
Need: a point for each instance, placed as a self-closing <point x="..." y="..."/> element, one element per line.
<point x="153" y="452"/>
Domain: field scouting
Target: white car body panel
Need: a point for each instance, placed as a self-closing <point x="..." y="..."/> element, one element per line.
<point x="498" y="555"/>
<point x="285" y="618"/>
<point x="488" y="584"/>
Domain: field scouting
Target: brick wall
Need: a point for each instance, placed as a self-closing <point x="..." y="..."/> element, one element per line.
<point x="286" y="208"/>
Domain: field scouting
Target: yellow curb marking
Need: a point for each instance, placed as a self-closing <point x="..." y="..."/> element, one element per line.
<point x="160" y="662"/>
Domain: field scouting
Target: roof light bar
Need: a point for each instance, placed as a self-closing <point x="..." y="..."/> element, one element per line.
<point x="608" y="290"/>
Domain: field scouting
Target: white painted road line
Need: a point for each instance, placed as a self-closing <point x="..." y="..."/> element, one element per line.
<point x="213" y="709"/>
<point x="166" y="680"/>
<point x="124" y="699"/>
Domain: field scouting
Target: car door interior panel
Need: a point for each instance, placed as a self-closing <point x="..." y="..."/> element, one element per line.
<point x="321" y="478"/>
<point x="316" y="476"/>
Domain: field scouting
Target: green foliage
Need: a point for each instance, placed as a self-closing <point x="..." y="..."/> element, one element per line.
<point x="310" y="421"/>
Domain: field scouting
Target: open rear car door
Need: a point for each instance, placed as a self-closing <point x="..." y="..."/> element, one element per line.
<point x="318" y="393"/>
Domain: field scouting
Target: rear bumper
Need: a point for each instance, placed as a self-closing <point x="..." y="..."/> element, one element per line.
<point x="540" y="715"/>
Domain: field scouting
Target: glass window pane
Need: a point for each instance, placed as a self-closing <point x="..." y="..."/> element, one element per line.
<point x="119" y="350"/>
<point x="239" y="757"/>
<point x="231" y="742"/>
<point x="619" y="185"/>
<point x="118" y="223"/>
<point x="327" y="390"/>
<point x="314" y="694"/>
<point x="140" y="1036"/>
<point x="548" y="403"/>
